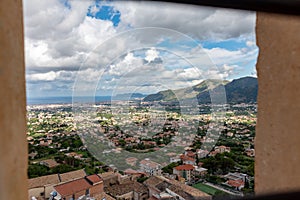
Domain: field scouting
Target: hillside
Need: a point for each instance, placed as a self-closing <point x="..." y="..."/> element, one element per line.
<point x="185" y="93"/>
<point x="242" y="90"/>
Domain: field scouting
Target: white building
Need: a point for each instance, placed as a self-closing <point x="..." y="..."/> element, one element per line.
<point x="150" y="167"/>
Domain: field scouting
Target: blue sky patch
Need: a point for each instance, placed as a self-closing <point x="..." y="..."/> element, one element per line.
<point x="105" y="12"/>
<point x="231" y="45"/>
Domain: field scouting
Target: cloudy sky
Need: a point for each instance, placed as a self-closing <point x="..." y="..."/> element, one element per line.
<point x="103" y="48"/>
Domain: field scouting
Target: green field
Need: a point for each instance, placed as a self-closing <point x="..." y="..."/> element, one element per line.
<point x="208" y="189"/>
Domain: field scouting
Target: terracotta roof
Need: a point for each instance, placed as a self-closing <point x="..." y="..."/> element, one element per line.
<point x="72" y="175"/>
<point x="236" y="183"/>
<point x="43" y="180"/>
<point x="184" y="167"/>
<point x="184" y="157"/>
<point x="72" y="187"/>
<point x="94" y="178"/>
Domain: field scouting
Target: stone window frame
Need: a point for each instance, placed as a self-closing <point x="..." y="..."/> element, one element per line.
<point x="271" y="26"/>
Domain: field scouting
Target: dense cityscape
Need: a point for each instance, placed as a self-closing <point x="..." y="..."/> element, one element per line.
<point x="61" y="166"/>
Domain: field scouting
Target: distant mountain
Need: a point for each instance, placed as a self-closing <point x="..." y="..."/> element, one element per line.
<point x="242" y="90"/>
<point x="184" y="93"/>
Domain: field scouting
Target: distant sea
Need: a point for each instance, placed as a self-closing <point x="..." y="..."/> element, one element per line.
<point x="65" y="100"/>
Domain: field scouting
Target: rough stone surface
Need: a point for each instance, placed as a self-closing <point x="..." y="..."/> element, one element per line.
<point x="278" y="128"/>
<point x="13" y="146"/>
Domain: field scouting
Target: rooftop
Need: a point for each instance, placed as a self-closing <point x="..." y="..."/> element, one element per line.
<point x="149" y="163"/>
<point x="72" y="175"/>
<point x="94" y="178"/>
<point x="121" y="189"/>
<point x="186" y="167"/>
<point x="43" y="180"/>
<point x="236" y="183"/>
<point x="187" y="192"/>
<point x="72" y="187"/>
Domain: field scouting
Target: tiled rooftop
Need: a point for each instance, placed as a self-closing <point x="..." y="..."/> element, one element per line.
<point x="72" y="175"/>
<point x="184" y="167"/>
<point x="42" y="181"/>
<point x="72" y="187"/>
<point x="55" y="179"/>
<point x="94" y="178"/>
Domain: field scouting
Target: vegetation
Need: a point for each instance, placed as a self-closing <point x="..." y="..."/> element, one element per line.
<point x="208" y="189"/>
<point x="169" y="168"/>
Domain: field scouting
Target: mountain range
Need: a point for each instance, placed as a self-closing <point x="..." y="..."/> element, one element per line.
<point x="242" y="90"/>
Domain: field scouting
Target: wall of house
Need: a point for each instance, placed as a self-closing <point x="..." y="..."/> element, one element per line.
<point x="96" y="189"/>
<point x="13" y="145"/>
<point x="79" y="194"/>
<point x="277" y="146"/>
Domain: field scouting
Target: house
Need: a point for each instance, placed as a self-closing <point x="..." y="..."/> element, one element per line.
<point x="236" y="176"/>
<point x="129" y="191"/>
<point x="150" y="167"/>
<point x="109" y="178"/>
<point x="175" y="159"/>
<point x="134" y="174"/>
<point x="184" y="171"/>
<point x="65" y="177"/>
<point x="187" y="160"/>
<point x="49" y="163"/>
<point x="222" y="149"/>
<point x="41" y="187"/>
<point x="236" y="184"/>
<point x="190" y="154"/>
<point x="88" y="186"/>
<point x="202" y="153"/>
<point x="200" y="171"/>
<point x="131" y="161"/>
<point x="164" y="188"/>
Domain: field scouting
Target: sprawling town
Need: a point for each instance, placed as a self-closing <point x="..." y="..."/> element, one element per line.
<point x="63" y="166"/>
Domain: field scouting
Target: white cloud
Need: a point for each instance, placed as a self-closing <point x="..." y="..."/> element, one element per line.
<point x="151" y="54"/>
<point x="59" y="39"/>
<point x="49" y="76"/>
<point x="196" y="21"/>
<point x="250" y="43"/>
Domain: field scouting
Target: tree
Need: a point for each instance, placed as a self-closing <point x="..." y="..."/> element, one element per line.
<point x="36" y="170"/>
<point x="169" y="168"/>
<point x="63" y="168"/>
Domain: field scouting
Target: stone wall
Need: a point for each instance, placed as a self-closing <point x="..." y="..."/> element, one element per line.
<point x="277" y="144"/>
<point x="13" y="145"/>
